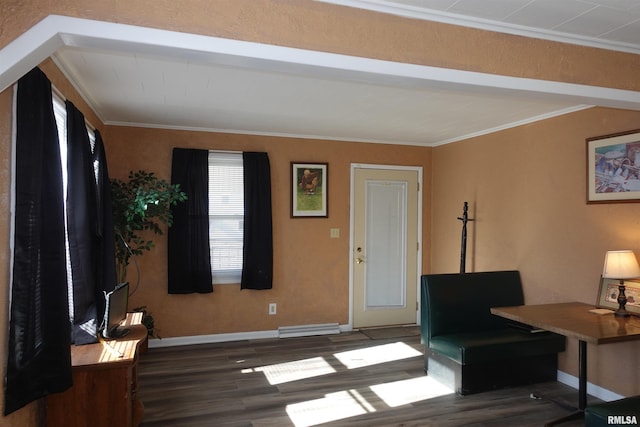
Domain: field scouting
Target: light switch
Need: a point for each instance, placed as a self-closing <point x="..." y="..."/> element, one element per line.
<point x="335" y="233"/>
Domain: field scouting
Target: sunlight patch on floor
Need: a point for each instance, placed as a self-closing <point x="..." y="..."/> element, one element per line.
<point x="347" y="404"/>
<point x="375" y="355"/>
<point x="293" y="371"/>
<point x="332" y="407"/>
<point x="403" y="392"/>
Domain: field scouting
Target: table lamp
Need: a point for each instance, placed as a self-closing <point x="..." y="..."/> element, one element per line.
<point x="621" y="265"/>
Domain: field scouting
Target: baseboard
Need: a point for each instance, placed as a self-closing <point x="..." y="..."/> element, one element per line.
<point x="308" y="330"/>
<point x="302" y="330"/>
<point x="209" y="339"/>
<point x="592" y="389"/>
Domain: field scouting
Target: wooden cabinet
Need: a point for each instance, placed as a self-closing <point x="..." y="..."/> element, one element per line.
<point x="105" y="383"/>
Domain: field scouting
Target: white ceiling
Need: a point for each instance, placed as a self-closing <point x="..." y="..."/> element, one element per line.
<point x="158" y="85"/>
<point x="609" y="23"/>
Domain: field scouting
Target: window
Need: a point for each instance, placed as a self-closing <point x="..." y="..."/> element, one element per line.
<point x="226" y="216"/>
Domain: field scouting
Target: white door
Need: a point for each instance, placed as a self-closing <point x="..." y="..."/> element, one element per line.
<point x="385" y="246"/>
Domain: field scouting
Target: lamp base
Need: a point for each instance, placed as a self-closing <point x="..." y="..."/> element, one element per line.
<point x="622" y="313"/>
<point x="622" y="301"/>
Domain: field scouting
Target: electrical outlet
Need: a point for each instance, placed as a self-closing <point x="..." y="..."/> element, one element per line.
<point x="273" y="309"/>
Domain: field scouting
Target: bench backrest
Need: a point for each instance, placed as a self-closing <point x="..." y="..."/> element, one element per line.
<point x="456" y="303"/>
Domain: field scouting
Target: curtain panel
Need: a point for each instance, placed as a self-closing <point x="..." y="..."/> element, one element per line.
<point x="90" y="227"/>
<point x="39" y="355"/>
<point x="257" y="267"/>
<point x="189" y="250"/>
<point x="83" y="228"/>
<point x="105" y="235"/>
<point x="189" y="256"/>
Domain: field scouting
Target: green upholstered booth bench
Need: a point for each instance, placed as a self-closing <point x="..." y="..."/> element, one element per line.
<point x="616" y="413"/>
<point x="469" y="349"/>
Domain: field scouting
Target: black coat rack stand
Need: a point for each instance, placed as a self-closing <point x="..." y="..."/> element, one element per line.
<point x="463" y="249"/>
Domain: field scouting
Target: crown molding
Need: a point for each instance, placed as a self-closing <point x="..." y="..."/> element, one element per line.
<point x="425" y="14"/>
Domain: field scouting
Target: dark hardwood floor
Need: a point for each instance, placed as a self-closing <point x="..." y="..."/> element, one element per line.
<point x="337" y="380"/>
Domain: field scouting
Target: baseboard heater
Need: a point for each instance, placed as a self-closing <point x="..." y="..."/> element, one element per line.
<point x="308" y="330"/>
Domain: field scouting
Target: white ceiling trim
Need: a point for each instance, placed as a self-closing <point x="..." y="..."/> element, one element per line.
<point x="42" y="41"/>
<point x="369" y="140"/>
<point x="409" y="11"/>
<point x="515" y="124"/>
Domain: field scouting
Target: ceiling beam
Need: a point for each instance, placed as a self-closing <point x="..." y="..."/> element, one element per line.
<point x="53" y="32"/>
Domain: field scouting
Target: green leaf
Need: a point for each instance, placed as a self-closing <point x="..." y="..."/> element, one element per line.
<point x="141" y="204"/>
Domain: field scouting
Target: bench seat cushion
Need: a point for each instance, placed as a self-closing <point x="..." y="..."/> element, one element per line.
<point x="493" y="345"/>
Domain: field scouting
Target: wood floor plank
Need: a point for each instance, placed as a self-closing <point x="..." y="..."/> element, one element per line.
<point x="335" y="380"/>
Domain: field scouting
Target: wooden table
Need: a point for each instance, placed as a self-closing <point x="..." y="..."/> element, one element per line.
<point x="574" y="320"/>
<point x="105" y="381"/>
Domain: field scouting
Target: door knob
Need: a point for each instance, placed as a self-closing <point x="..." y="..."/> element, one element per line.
<point x="359" y="260"/>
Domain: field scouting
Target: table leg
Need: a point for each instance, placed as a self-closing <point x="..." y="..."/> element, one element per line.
<point x="582" y="375"/>
<point x="582" y="387"/>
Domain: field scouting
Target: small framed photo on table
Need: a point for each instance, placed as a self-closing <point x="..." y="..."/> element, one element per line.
<point x="608" y="295"/>
<point x="309" y="189"/>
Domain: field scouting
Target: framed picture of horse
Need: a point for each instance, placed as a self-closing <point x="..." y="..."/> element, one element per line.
<point x="309" y="190"/>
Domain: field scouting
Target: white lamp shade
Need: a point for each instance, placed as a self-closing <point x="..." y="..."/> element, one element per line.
<point x="620" y="265"/>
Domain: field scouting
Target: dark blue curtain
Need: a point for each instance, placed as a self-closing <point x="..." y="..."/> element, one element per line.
<point x="189" y="256"/>
<point x="82" y="224"/>
<point x="189" y="252"/>
<point x="257" y="267"/>
<point x="105" y="235"/>
<point x="39" y="356"/>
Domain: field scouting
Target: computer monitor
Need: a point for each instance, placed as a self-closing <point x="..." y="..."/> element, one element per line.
<point x="116" y="311"/>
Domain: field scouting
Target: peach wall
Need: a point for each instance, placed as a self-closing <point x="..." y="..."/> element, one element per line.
<point x="311" y="270"/>
<point x="314" y="25"/>
<point x="526" y="189"/>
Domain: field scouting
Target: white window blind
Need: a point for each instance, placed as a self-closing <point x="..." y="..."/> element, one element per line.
<point x="60" y="113"/>
<point x="226" y="216"/>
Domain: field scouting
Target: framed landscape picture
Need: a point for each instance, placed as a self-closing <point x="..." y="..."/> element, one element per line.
<point x="613" y="168"/>
<point x="309" y="189"/>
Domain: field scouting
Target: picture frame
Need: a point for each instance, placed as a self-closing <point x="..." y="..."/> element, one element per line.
<point x="608" y="295"/>
<point x="309" y="190"/>
<point x="613" y="168"/>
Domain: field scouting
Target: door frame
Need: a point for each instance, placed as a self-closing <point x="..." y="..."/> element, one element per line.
<point x="355" y="166"/>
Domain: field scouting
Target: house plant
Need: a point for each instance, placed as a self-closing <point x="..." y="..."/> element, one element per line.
<point x="140" y="204"/>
